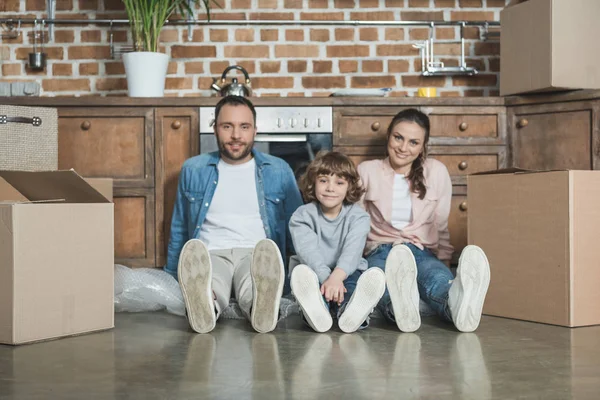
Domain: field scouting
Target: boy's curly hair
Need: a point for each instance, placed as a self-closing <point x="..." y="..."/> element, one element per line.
<point x="328" y="163"/>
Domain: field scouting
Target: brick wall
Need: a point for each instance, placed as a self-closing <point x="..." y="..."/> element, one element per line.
<point x="281" y="60"/>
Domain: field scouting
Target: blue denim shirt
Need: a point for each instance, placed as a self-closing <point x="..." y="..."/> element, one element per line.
<point x="278" y="198"/>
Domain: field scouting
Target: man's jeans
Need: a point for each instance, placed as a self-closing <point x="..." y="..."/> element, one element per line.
<point x="433" y="280"/>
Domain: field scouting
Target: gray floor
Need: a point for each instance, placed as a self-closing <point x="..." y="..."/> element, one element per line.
<point x="156" y="356"/>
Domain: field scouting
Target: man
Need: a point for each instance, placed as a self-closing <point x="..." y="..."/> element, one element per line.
<point x="230" y="224"/>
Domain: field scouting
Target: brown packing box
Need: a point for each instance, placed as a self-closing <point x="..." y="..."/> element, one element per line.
<point x="56" y="256"/>
<point x="549" y="45"/>
<point x="540" y="232"/>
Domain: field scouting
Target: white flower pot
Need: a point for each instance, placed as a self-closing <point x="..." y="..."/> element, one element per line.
<point x="146" y="72"/>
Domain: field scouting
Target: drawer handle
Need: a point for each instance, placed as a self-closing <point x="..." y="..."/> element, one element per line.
<point x="375" y="126"/>
<point x="463" y="126"/>
<point x="463" y="206"/>
<point x="463" y="165"/>
<point x="176" y="124"/>
<point x="522" y="123"/>
<point x="86" y="125"/>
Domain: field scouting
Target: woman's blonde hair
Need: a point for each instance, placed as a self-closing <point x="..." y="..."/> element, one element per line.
<point x="331" y="163"/>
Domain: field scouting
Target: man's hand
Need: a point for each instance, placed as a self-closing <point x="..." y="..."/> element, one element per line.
<point x="333" y="288"/>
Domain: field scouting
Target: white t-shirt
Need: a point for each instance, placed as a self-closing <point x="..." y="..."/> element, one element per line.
<point x="233" y="218"/>
<point x="401" y="203"/>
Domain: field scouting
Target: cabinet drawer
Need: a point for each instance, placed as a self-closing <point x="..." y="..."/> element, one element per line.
<point x="362" y="130"/>
<point x="457" y="224"/>
<point x="107" y="143"/>
<point x="463" y="126"/>
<point x="465" y="164"/>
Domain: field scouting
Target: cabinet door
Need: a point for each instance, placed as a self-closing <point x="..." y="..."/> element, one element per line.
<point x="555" y="136"/>
<point x="103" y="142"/>
<point x="134" y="227"/>
<point x="177" y="139"/>
<point x="457" y="221"/>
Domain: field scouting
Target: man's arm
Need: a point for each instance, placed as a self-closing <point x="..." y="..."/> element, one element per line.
<point x="179" y="231"/>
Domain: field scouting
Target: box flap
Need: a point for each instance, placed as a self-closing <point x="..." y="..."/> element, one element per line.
<point x="514" y="170"/>
<point x="9" y="193"/>
<point x="53" y="185"/>
<point x="514" y="3"/>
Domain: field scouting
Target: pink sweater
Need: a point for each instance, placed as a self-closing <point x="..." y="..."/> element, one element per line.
<point x="429" y="225"/>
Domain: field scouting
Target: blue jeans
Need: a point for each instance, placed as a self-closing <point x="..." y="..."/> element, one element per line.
<point x="433" y="280"/>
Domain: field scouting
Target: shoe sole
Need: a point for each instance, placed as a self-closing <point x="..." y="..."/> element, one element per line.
<point x="267" y="281"/>
<point x="195" y="279"/>
<point x="369" y="290"/>
<point x="475" y="283"/>
<point x="307" y="291"/>
<point x="401" y="277"/>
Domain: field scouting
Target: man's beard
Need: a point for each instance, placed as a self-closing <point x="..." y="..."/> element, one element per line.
<point x="224" y="151"/>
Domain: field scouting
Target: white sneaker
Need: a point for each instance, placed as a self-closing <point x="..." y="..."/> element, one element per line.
<point x="467" y="293"/>
<point x="267" y="285"/>
<point x="369" y="290"/>
<point x="307" y="291"/>
<point x="401" y="277"/>
<point x="195" y="279"/>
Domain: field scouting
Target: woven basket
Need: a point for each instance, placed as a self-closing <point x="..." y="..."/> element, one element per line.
<point x="30" y="145"/>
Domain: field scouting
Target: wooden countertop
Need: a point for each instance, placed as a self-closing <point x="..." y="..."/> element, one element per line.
<point x="97" y="101"/>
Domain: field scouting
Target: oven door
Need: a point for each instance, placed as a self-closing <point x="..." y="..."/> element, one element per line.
<point x="294" y="134"/>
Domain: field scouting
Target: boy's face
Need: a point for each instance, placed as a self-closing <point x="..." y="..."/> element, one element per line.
<point x="330" y="191"/>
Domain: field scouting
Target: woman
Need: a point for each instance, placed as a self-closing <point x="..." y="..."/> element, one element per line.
<point x="408" y="197"/>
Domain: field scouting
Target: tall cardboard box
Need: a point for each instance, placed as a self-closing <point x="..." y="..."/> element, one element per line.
<point x="56" y="257"/>
<point x="540" y="233"/>
<point x="548" y="45"/>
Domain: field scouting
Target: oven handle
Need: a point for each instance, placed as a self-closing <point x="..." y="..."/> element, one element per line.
<point x="280" y="138"/>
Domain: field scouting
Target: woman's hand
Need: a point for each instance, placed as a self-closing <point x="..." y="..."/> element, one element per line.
<point x="333" y="288"/>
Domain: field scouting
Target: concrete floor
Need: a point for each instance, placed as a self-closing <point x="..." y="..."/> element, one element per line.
<point x="156" y="356"/>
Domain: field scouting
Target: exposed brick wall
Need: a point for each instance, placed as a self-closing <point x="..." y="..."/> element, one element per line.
<point x="281" y="60"/>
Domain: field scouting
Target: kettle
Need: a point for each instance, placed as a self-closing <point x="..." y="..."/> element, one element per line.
<point x="234" y="88"/>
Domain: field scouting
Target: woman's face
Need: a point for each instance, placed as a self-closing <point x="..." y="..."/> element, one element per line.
<point x="404" y="145"/>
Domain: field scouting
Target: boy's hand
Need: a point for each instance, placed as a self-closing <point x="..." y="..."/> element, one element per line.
<point x="333" y="288"/>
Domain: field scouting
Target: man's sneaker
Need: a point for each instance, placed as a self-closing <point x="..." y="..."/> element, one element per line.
<point x="307" y="290"/>
<point x="468" y="290"/>
<point x="369" y="290"/>
<point x="267" y="285"/>
<point x="195" y="279"/>
<point x="401" y="277"/>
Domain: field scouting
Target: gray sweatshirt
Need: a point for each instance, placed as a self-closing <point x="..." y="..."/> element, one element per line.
<point x="324" y="244"/>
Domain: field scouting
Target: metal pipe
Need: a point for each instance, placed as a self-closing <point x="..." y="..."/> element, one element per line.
<point x="251" y="22"/>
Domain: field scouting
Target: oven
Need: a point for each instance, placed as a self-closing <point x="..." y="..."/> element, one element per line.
<point x="294" y="134"/>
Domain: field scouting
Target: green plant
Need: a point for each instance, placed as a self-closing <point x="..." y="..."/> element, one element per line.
<point x="147" y="18"/>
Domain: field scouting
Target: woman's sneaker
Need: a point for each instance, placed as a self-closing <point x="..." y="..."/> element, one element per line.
<point x="401" y="277"/>
<point x="468" y="290"/>
<point x="369" y="290"/>
<point x="267" y="284"/>
<point x="195" y="279"/>
<point x="307" y="290"/>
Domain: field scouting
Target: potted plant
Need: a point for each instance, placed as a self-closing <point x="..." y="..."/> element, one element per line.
<point x="146" y="67"/>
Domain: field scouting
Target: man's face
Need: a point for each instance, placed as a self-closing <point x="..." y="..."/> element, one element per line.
<point x="235" y="133"/>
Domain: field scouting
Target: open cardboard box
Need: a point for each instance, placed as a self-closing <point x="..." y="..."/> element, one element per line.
<point x="56" y="256"/>
<point x="540" y="232"/>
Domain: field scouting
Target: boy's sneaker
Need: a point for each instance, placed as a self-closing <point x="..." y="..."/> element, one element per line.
<point x="307" y="290"/>
<point x="401" y="277"/>
<point x="369" y="290"/>
<point x="195" y="279"/>
<point x="468" y="290"/>
<point x="267" y="285"/>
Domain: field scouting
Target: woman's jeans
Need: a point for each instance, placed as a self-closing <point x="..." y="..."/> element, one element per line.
<point x="433" y="280"/>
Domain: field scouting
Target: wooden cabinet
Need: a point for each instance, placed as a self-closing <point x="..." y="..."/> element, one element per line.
<point x="555" y="136"/>
<point x="116" y="143"/>
<point x="466" y="139"/>
<point x="177" y="139"/>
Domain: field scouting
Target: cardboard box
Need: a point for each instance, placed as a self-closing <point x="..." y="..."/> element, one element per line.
<point x="540" y="233"/>
<point x="104" y="186"/>
<point x="56" y="257"/>
<point x="549" y="45"/>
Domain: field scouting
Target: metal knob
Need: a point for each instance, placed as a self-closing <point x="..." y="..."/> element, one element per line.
<point x="522" y="123"/>
<point x="86" y="125"/>
<point x="176" y="124"/>
<point x="375" y="126"/>
<point x="463" y="165"/>
<point x="463" y="206"/>
<point x="463" y="126"/>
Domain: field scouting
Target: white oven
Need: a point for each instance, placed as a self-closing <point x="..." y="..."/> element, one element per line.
<point x="294" y="134"/>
